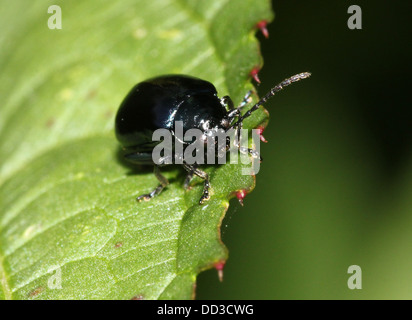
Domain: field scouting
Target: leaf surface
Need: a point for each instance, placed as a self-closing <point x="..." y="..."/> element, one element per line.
<point x="70" y="227"/>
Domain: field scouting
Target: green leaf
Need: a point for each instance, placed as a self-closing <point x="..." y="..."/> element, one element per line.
<point x="70" y="226"/>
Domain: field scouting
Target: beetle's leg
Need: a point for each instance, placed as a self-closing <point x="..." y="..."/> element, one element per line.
<point x="189" y="177"/>
<point x="186" y="184"/>
<point x="227" y="101"/>
<point x="244" y="150"/>
<point x="251" y="152"/>
<point x="163" y="183"/>
<point x="237" y="113"/>
<point x="233" y="114"/>
<point x="201" y="174"/>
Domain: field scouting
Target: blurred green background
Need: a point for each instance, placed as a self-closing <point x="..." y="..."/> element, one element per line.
<point x="335" y="186"/>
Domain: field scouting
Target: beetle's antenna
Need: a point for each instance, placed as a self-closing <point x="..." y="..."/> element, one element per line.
<point x="271" y="93"/>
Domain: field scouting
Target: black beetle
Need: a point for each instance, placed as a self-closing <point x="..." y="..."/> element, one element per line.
<point x="158" y="102"/>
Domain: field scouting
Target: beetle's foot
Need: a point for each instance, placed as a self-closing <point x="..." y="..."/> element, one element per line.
<point x="188" y="178"/>
<point x="206" y="193"/>
<point x="148" y="196"/>
<point x="192" y="170"/>
<point x="205" y="197"/>
<point x="144" y="197"/>
<point x="163" y="183"/>
<point x="186" y="184"/>
<point x="253" y="153"/>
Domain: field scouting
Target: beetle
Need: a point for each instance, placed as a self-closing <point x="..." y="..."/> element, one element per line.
<point x="157" y="103"/>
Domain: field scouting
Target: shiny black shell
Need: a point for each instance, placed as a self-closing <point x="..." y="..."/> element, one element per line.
<point x="158" y="102"/>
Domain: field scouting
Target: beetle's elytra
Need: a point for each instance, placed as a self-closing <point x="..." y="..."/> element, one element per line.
<point x="159" y="102"/>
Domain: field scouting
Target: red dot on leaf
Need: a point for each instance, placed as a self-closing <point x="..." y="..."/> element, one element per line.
<point x="240" y="195"/>
<point x="262" y="26"/>
<point x="260" y="132"/>
<point x="219" y="267"/>
<point x="254" y="74"/>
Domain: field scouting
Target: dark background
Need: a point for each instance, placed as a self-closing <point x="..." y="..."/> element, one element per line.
<point x="335" y="187"/>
